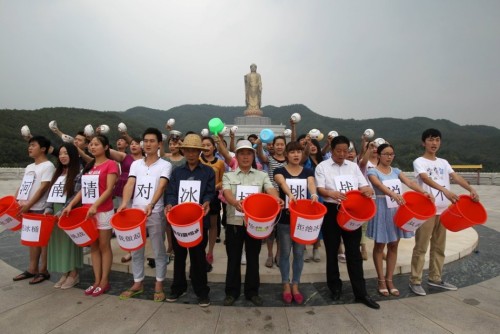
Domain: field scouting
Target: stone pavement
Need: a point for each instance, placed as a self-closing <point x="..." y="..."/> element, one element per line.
<point x="473" y="308"/>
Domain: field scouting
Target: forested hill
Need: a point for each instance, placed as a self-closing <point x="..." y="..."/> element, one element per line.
<point x="471" y="144"/>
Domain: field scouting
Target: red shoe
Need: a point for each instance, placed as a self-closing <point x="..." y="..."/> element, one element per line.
<point x="210" y="258"/>
<point x="287" y="297"/>
<point x="299" y="299"/>
<point x="89" y="290"/>
<point x="99" y="291"/>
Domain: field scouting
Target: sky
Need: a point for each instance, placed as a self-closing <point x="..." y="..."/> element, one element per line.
<point x="344" y="59"/>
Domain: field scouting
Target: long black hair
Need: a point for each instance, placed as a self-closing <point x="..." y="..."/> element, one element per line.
<point x="73" y="169"/>
<point x="105" y="142"/>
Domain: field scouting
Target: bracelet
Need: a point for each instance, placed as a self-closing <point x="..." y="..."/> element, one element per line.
<point x="314" y="195"/>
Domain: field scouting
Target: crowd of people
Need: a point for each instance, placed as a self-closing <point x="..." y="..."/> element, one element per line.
<point x="219" y="175"/>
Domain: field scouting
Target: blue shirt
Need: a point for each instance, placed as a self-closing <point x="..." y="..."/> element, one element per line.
<point x="203" y="173"/>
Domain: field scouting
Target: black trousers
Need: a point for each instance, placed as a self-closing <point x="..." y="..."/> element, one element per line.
<point x="198" y="270"/>
<point x="331" y="237"/>
<point x="236" y="236"/>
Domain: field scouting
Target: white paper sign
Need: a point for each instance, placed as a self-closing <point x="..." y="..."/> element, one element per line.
<point x="241" y="193"/>
<point x="440" y="199"/>
<point x="8" y="222"/>
<point x="307" y="229"/>
<point x="145" y="187"/>
<point x="189" y="191"/>
<point x="56" y="193"/>
<point x="25" y="188"/>
<point x="31" y="230"/>
<point x="129" y="239"/>
<point x="187" y="233"/>
<point x="413" y="224"/>
<point x="298" y="187"/>
<point x="393" y="185"/>
<point x="90" y="189"/>
<point x="352" y="225"/>
<point x="78" y="236"/>
<point x="259" y="230"/>
<point x="345" y="183"/>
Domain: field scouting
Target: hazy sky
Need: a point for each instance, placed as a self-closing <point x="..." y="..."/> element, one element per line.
<point x="345" y="59"/>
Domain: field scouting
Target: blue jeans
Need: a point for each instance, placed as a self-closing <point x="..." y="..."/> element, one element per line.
<point x="286" y="245"/>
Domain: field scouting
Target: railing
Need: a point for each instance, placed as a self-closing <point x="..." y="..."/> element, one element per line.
<point x="475" y="168"/>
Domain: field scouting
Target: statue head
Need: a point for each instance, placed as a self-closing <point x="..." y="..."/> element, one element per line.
<point x="253" y="67"/>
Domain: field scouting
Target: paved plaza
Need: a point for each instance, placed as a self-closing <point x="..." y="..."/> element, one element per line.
<point x="472" y="265"/>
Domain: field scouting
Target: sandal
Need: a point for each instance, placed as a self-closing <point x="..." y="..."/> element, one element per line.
<point x="393" y="291"/>
<point x="269" y="262"/>
<point x="24" y="275"/>
<point x="159" y="296"/>
<point x="39" y="278"/>
<point x="127" y="294"/>
<point x="384" y="292"/>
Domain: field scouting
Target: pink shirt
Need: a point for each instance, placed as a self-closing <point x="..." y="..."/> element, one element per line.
<point x="108" y="167"/>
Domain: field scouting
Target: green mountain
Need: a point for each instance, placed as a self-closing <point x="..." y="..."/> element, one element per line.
<point x="471" y="144"/>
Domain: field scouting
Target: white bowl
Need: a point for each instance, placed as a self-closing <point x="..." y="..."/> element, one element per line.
<point x="369" y="133"/>
<point x="122" y="127"/>
<point x="88" y="130"/>
<point x="295" y="117"/>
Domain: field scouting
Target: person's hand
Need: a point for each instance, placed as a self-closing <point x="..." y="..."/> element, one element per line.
<point x="281" y="203"/>
<point x="398" y="198"/>
<point x="206" y="208"/>
<point x="474" y="195"/>
<point x="237" y="205"/>
<point x="120" y="208"/>
<point x="367" y="191"/>
<point x="92" y="211"/>
<point x="148" y="209"/>
<point x="429" y="196"/>
<point x="314" y="198"/>
<point x="450" y="195"/>
<point x="292" y="199"/>
<point x="168" y="207"/>
<point x="338" y="196"/>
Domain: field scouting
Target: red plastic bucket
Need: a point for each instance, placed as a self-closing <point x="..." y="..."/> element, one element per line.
<point x="8" y="213"/>
<point x="463" y="214"/>
<point x="37" y="229"/>
<point x="417" y="209"/>
<point x="187" y="223"/>
<point x="306" y="218"/>
<point x="260" y="214"/>
<point x="82" y="231"/>
<point x="356" y="210"/>
<point x="130" y="229"/>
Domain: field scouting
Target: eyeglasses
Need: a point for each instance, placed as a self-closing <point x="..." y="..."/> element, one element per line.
<point x="390" y="155"/>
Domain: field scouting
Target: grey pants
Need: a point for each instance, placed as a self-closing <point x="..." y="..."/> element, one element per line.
<point x="156" y="226"/>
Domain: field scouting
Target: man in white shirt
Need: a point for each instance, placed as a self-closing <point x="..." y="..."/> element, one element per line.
<point x="335" y="177"/>
<point x="147" y="181"/>
<point x="433" y="174"/>
<point x="32" y="197"/>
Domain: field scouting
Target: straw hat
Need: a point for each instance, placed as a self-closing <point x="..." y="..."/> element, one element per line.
<point x="193" y="141"/>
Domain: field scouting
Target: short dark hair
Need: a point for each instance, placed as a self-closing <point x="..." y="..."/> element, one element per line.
<point x="340" y="140"/>
<point x="42" y="141"/>
<point x="253" y="135"/>
<point x="293" y="146"/>
<point x="278" y="138"/>
<point x="383" y="147"/>
<point x="302" y="136"/>
<point x="431" y="133"/>
<point x="81" y="133"/>
<point x="153" y="131"/>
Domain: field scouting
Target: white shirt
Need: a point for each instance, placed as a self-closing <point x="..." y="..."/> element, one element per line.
<point x="160" y="169"/>
<point x="327" y="170"/>
<point x="439" y="171"/>
<point x="42" y="172"/>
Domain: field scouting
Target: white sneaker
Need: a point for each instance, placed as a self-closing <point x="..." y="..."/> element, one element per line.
<point x="243" y="259"/>
<point x="316" y="256"/>
<point x="53" y="126"/>
<point x="442" y="285"/>
<point x="122" y="127"/>
<point x="307" y="258"/>
<point x="417" y="289"/>
<point x="25" y="131"/>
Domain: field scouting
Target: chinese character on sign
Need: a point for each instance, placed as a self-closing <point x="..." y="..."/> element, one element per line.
<point x="144" y="190"/>
<point x="346" y="186"/>
<point x="57" y="190"/>
<point x="25" y="187"/>
<point x="188" y="195"/>
<point x="90" y="189"/>
<point x="297" y="191"/>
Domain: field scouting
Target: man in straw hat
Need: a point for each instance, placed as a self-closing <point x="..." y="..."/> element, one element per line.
<point x="236" y="185"/>
<point x="192" y="182"/>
